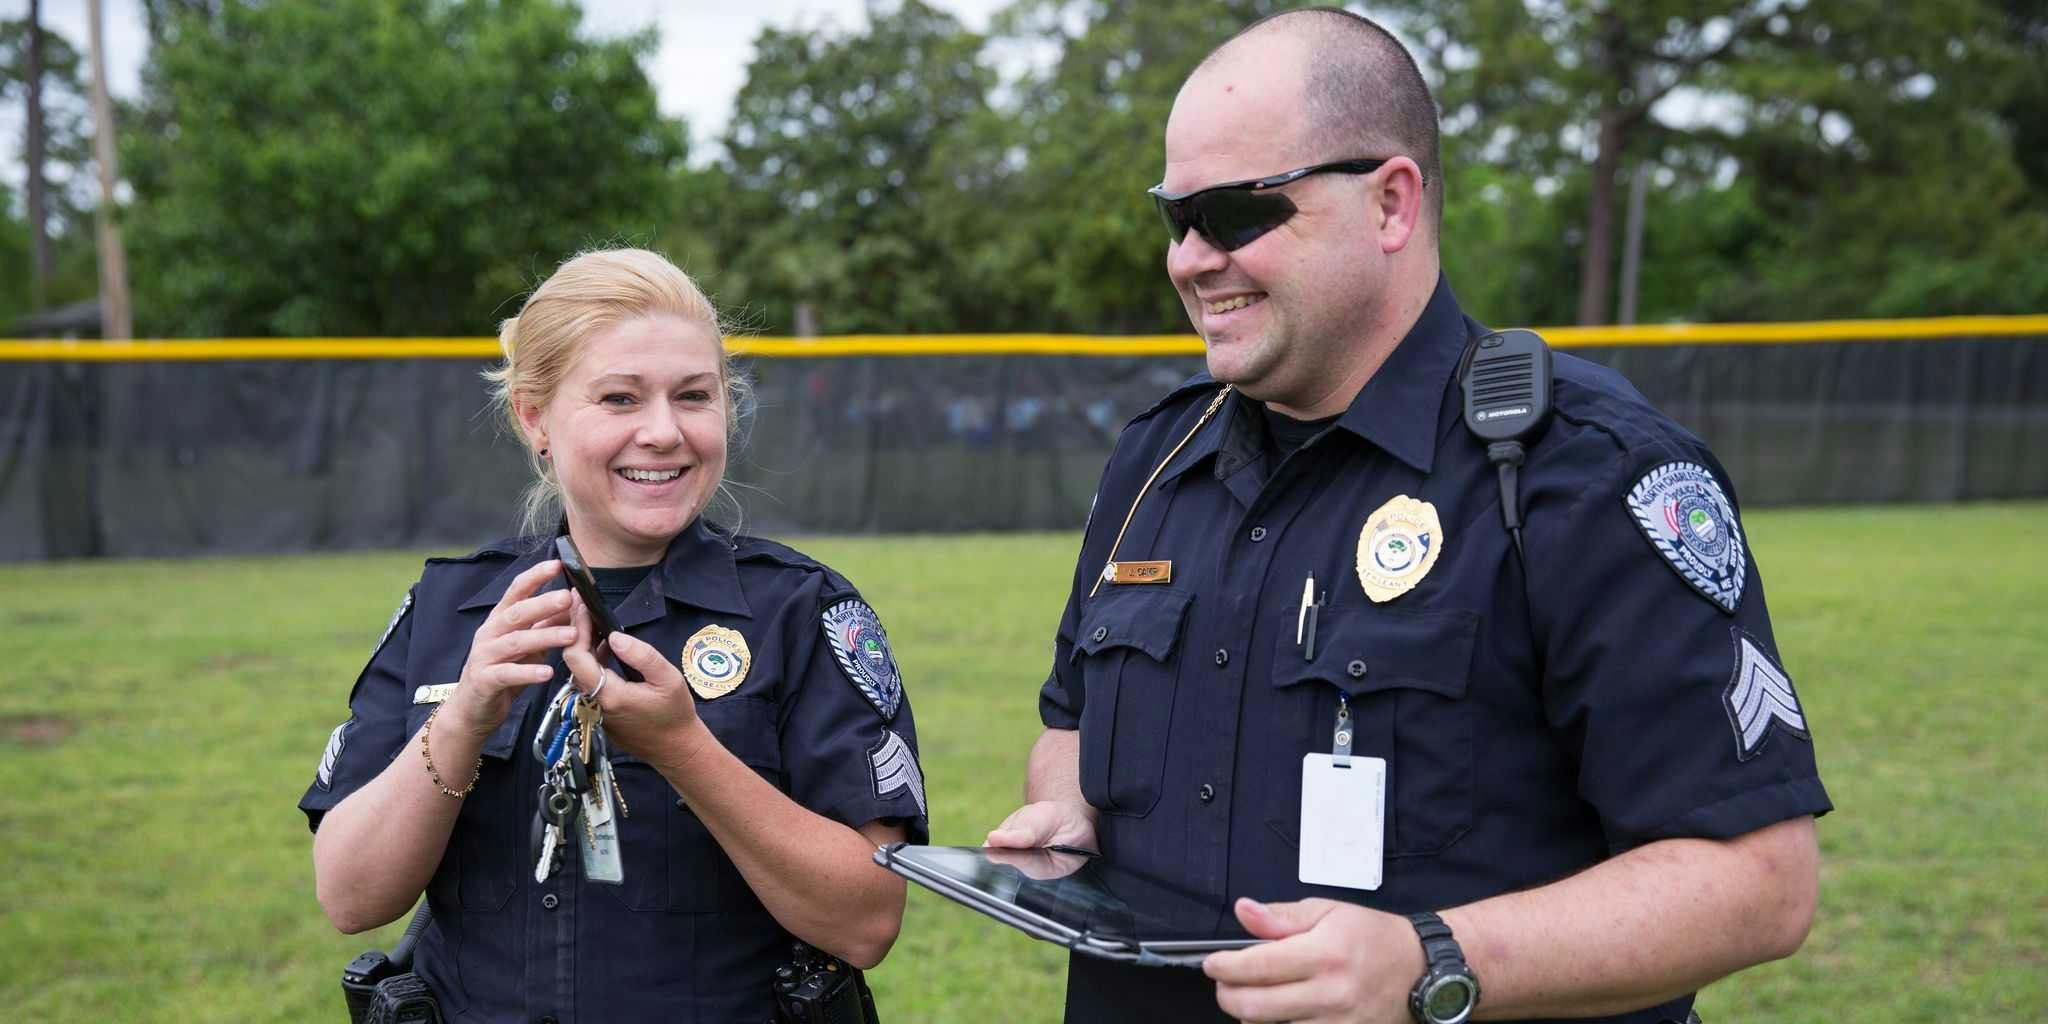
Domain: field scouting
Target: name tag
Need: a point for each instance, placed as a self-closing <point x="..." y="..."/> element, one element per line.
<point x="1343" y="821"/>
<point x="434" y="694"/>
<point x="1139" y="572"/>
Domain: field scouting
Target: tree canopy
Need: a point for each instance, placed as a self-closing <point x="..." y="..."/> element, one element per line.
<point x="383" y="167"/>
<point x="409" y="167"/>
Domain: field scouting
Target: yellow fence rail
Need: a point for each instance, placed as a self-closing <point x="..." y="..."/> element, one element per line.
<point x="842" y="346"/>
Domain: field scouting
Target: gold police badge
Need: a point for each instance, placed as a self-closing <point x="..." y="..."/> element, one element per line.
<point x="715" y="661"/>
<point x="1397" y="547"/>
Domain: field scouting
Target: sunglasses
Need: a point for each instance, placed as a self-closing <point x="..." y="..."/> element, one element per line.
<point x="1232" y="215"/>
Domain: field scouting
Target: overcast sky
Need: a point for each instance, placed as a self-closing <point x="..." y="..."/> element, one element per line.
<point x="705" y="45"/>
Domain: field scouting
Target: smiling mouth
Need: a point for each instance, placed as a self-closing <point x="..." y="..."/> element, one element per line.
<point x="1238" y="302"/>
<point x="650" y="476"/>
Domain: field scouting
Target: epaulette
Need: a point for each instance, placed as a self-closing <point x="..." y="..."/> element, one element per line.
<point x="749" y="548"/>
<point x="504" y="548"/>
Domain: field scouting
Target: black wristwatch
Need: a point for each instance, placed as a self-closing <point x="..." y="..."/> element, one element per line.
<point x="1448" y="991"/>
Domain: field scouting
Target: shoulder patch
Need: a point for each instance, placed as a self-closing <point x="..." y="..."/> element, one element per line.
<point x="896" y="769"/>
<point x="392" y="626"/>
<point x="862" y="650"/>
<point x="1689" y="520"/>
<point x="1758" y="697"/>
<point x="336" y="740"/>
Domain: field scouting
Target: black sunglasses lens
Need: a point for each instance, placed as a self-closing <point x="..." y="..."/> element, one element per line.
<point x="1234" y="218"/>
<point x="1173" y="214"/>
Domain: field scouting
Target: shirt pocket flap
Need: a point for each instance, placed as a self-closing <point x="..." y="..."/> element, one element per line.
<point x="746" y="727"/>
<point x="1361" y="650"/>
<point x="1141" y="617"/>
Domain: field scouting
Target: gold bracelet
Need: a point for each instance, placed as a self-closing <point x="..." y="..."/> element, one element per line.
<point x="427" y="751"/>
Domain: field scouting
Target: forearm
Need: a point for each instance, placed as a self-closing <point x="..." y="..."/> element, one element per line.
<point x="1644" y="927"/>
<point x="815" y="875"/>
<point x="1054" y="771"/>
<point x="376" y="850"/>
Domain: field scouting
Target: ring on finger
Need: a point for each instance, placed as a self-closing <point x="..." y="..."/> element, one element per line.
<point x="603" y="677"/>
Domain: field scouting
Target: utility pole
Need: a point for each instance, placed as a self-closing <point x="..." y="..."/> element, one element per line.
<point x="38" y="212"/>
<point x="1632" y="248"/>
<point x="114" y="318"/>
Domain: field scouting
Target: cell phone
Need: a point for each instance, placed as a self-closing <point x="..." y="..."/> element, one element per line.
<point x="602" y="625"/>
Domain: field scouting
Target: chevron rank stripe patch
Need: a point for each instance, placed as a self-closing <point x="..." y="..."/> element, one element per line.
<point x="896" y="769"/>
<point x="336" y="741"/>
<point x="1689" y="520"/>
<point x="1758" y="698"/>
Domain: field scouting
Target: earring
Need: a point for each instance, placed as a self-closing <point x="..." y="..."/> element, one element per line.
<point x="543" y="453"/>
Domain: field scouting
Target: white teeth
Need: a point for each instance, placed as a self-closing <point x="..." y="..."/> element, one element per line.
<point x="647" y="476"/>
<point x="1229" y="304"/>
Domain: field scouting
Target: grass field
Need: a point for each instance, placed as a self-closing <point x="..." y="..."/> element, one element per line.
<point x="158" y="721"/>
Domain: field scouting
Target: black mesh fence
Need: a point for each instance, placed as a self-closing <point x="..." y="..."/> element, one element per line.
<point x="180" y="458"/>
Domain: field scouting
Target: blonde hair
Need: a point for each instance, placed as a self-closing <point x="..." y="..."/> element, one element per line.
<point x="586" y="295"/>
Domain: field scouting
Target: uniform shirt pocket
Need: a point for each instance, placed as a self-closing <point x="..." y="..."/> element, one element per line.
<point x="1405" y="674"/>
<point x="1126" y="646"/>
<point x="672" y="861"/>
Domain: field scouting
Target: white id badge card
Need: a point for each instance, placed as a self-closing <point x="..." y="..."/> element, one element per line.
<point x="1343" y="821"/>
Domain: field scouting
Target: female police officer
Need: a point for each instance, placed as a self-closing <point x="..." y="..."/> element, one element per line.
<point x="764" y="757"/>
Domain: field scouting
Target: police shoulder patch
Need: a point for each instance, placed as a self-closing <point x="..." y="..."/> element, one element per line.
<point x="1689" y="520"/>
<point x="336" y="740"/>
<point x="895" y="768"/>
<point x="862" y="650"/>
<point x="1758" y="697"/>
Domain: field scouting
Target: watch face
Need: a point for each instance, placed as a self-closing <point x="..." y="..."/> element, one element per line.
<point x="1448" y="1001"/>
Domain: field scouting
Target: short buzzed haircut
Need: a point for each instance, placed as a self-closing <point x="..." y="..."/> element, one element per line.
<point x="1365" y="95"/>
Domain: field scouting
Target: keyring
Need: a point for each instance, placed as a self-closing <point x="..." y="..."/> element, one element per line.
<point x="603" y="677"/>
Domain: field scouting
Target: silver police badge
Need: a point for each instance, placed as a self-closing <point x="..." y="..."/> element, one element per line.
<point x="1688" y="519"/>
<point x="863" y="652"/>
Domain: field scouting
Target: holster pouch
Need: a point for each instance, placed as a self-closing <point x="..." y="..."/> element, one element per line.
<point x="381" y="989"/>
<point x="818" y="988"/>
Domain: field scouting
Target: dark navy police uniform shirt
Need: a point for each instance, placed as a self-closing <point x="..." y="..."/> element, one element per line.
<point x="1532" y="723"/>
<point x="683" y="938"/>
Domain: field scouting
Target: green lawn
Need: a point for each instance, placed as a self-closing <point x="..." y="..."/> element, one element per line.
<point x="158" y="721"/>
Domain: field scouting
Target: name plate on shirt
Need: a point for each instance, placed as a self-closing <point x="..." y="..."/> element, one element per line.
<point x="1343" y="821"/>
<point x="1139" y="572"/>
<point x="434" y="694"/>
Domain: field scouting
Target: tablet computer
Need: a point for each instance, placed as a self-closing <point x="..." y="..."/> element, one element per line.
<point x="1075" y="899"/>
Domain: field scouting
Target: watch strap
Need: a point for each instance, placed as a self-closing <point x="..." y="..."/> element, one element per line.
<point x="1438" y="947"/>
<point x="1443" y="959"/>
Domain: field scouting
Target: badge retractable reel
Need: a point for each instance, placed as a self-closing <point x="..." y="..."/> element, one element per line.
<point x="1506" y="376"/>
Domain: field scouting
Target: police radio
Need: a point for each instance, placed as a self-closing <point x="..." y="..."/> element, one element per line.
<point x="1506" y="376"/>
<point x="382" y="989"/>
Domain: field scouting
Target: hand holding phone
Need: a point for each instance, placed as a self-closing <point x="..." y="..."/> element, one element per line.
<point x="602" y="624"/>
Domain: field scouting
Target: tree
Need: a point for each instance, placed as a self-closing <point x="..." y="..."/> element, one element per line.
<point x="382" y="167"/>
<point x="1815" y="103"/>
<point x="832" y="174"/>
<point x="1091" y="132"/>
<point x="56" y="162"/>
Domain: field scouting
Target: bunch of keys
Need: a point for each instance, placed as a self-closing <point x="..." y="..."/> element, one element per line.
<point x="578" y="791"/>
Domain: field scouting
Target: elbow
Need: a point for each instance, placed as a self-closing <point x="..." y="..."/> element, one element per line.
<point x="346" y="918"/>
<point x="1792" y="861"/>
<point x="1793" y="918"/>
<point x="867" y="945"/>
<point x="867" y="949"/>
<point x="346" y="908"/>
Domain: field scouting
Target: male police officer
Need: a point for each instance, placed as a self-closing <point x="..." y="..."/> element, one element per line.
<point x="1555" y="775"/>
